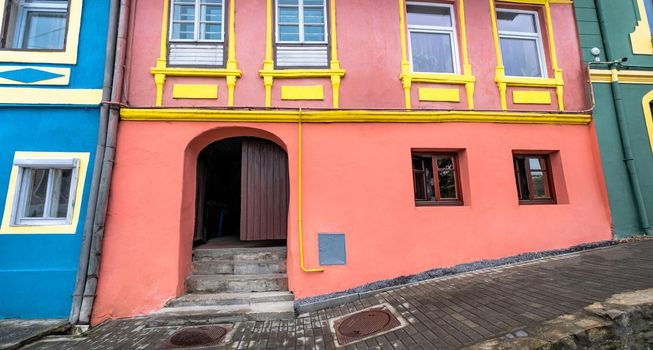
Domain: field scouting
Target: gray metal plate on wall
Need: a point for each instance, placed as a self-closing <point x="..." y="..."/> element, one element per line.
<point x="332" y="248"/>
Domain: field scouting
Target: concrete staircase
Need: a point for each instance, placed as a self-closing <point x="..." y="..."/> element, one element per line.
<point x="231" y="285"/>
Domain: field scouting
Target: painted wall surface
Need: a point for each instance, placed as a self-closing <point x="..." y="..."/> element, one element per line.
<point x="37" y="271"/>
<point x="370" y="54"/>
<point x="357" y="180"/>
<point x="625" y="217"/>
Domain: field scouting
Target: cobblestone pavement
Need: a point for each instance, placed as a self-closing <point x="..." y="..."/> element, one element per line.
<point x="445" y="313"/>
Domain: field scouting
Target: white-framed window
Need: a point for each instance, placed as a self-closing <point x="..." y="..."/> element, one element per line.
<point x="520" y="39"/>
<point x="34" y="24"/>
<point x="197" y="21"/>
<point x="45" y="191"/>
<point x="433" y="45"/>
<point x="301" y="21"/>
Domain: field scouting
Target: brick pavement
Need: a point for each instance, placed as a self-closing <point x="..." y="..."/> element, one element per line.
<point x="445" y="313"/>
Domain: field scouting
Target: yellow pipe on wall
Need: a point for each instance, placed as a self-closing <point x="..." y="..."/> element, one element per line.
<point x="299" y="198"/>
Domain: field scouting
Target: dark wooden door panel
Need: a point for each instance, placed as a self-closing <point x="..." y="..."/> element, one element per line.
<point x="264" y="191"/>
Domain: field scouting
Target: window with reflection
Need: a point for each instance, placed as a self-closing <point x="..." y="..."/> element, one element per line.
<point x="197" y="20"/>
<point x="301" y="21"/>
<point x="534" y="179"/>
<point x="34" y="24"/>
<point x="432" y="38"/>
<point x="436" y="179"/>
<point x="520" y="39"/>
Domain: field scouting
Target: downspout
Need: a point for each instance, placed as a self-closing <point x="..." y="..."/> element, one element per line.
<point x="107" y="166"/>
<point x="87" y="237"/>
<point x="624" y="135"/>
<point x="299" y="197"/>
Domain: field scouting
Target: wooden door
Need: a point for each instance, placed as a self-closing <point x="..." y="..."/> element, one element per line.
<point x="264" y="191"/>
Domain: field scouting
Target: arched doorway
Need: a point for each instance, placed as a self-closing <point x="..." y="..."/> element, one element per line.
<point x="242" y="193"/>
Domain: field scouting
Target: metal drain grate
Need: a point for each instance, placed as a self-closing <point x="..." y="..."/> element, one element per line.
<point x="364" y="324"/>
<point x="195" y="336"/>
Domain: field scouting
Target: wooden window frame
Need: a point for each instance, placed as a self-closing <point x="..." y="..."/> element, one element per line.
<point x="436" y="181"/>
<point x="539" y="39"/>
<point x="548" y="173"/>
<point x="451" y="31"/>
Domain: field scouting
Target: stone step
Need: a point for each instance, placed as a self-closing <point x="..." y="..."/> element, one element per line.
<point x="236" y="283"/>
<point x="199" y="315"/>
<point x="238" y="267"/>
<point x="215" y="299"/>
<point x="240" y="254"/>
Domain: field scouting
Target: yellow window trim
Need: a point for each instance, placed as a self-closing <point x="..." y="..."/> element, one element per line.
<point x="438" y="95"/>
<point x="62" y="79"/>
<point x="648" y="116"/>
<point x="161" y="69"/>
<point x="67" y="56"/>
<point x="503" y="82"/>
<point x="269" y="74"/>
<point x="195" y="91"/>
<point x="6" y="228"/>
<point x="350" y="116"/>
<point x="408" y="77"/>
<point x="302" y="92"/>
<point x="531" y="97"/>
<point x="640" y="38"/>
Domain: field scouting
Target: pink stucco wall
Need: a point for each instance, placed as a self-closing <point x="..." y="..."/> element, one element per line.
<point x="369" y="50"/>
<point x="357" y="180"/>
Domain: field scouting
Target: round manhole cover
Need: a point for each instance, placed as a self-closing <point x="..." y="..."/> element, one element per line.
<point x="197" y="336"/>
<point x="364" y="323"/>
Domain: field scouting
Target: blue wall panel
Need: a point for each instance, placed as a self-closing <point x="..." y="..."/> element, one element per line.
<point x="37" y="272"/>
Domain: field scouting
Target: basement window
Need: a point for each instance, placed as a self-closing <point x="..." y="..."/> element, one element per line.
<point x="436" y="179"/>
<point x="534" y="179"/>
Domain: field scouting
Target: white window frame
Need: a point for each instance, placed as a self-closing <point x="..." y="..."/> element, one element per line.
<point x="451" y="31"/>
<point x="24" y="8"/>
<point x="301" y="40"/>
<point x="526" y="35"/>
<point x="197" y="23"/>
<point x="25" y="167"/>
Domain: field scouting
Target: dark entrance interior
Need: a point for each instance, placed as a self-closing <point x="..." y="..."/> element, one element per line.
<point x="242" y="193"/>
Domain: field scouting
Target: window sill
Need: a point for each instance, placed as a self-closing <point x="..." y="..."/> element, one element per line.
<point x="446" y="78"/>
<point x="439" y="204"/>
<point x="529" y="81"/>
<point x="195" y="72"/>
<point x="536" y="202"/>
<point x="302" y="73"/>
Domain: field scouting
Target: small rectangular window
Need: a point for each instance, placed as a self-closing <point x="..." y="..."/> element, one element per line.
<point x="534" y="178"/>
<point x="520" y="39"/>
<point x="45" y="192"/>
<point x="34" y="24"/>
<point x="197" y="20"/>
<point x="436" y="179"/>
<point x="432" y="34"/>
<point x="301" y="21"/>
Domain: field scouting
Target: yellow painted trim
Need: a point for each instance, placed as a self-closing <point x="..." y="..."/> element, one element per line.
<point x="67" y="56"/>
<point x="648" y="116"/>
<point x="623" y="76"/>
<point x="6" y="228"/>
<point x="503" y="82"/>
<point x="63" y="80"/>
<point x="408" y="77"/>
<point x="439" y="95"/>
<point x="313" y="92"/>
<point x="161" y="70"/>
<point x="640" y="38"/>
<point x="349" y="116"/>
<point x="268" y="73"/>
<point x="531" y="97"/>
<point x="11" y="95"/>
<point x="195" y="91"/>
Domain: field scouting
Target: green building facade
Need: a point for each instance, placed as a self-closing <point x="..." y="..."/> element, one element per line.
<point x="616" y="36"/>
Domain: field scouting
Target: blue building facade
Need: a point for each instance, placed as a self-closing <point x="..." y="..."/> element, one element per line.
<point x="52" y="56"/>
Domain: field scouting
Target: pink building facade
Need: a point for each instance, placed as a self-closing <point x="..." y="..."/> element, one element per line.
<point x="417" y="135"/>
